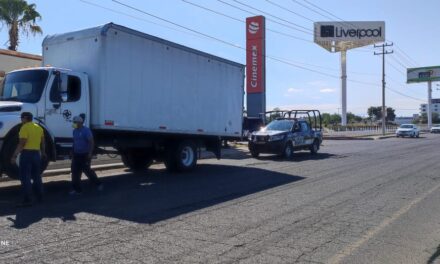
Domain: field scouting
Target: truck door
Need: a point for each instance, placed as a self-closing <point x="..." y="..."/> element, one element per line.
<point x="65" y="99"/>
<point x="298" y="137"/>
<point x="307" y="133"/>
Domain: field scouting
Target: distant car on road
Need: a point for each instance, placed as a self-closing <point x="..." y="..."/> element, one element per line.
<point x="284" y="135"/>
<point x="408" y="130"/>
<point x="435" y="129"/>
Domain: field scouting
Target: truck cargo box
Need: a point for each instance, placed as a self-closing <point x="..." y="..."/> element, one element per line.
<point x="139" y="82"/>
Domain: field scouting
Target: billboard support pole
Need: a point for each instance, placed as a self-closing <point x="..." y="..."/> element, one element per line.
<point x="344" y="87"/>
<point x="429" y="114"/>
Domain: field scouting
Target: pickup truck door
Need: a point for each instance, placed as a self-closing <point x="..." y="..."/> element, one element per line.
<point x="66" y="97"/>
<point x="307" y="133"/>
<point x="297" y="134"/>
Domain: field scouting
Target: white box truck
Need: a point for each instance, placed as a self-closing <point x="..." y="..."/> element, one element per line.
<point x="148" y="98"/>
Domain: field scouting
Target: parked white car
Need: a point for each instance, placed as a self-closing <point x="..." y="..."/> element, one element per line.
<point x="435" y="129"/>
<point x="409" y="130"/>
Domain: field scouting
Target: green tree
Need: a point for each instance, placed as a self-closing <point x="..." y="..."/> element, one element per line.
<point x="330" y="119"/>
<point x="352" y="118"/>
<point x="424" y="118"/>
<point x="20" y="18"/>
<point x="375" y="113"/>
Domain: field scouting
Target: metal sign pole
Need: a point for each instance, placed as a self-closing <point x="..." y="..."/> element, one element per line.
<point x="429" y="114"/>
<point x="344" y="87"/>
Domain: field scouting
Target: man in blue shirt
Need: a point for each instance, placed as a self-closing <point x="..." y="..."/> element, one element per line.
<point x="83" y="146"/>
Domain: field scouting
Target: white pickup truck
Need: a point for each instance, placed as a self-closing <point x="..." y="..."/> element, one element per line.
<point x="148" y="98"/>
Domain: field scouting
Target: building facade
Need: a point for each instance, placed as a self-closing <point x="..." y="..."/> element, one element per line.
<point x="13" y="60"/>
<point x="435" y="103"/>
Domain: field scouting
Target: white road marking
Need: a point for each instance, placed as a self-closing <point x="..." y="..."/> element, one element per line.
<point x="347" y="251"/>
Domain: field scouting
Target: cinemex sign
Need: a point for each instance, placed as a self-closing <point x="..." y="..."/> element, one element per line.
<point x="337" y="36"/>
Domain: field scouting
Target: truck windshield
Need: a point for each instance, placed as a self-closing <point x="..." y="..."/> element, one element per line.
<point x="23" y="86"/>
<point x="280" y="125"/>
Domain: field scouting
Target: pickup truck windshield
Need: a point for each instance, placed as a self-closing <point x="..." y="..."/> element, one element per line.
<point x="280" y="125"/>
<point x="406" y="126"/>
<point x="23" y="86"/>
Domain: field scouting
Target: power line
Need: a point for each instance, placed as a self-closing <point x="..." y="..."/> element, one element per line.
<point x="268" y="19"/>
<point x="134" y="17"/>
<point x="289" y="10"/>
<point x="406" y="55"/>
<point x="178" y="25"/>
<point x="242" y="21"/>
<point x="399" y="62"/>
<point x="311" y="9"/>
<point x="395" y="68"/>
<point x="405" y="60"/>
<point x="308" y="31"/>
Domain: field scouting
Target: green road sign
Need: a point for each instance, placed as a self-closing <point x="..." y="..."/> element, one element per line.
<point x="423" y="74"/>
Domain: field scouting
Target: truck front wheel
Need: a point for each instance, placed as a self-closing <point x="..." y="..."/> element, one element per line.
<point x="136" y="159"/>
<point x="10" y="169"/>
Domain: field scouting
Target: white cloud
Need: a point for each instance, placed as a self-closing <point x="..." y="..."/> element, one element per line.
<point x="291" y="91"/>
<point x="327" y="90"/>
<point x="294" y="90"/>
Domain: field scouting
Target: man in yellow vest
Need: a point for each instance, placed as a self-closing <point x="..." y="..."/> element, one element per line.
<point x="31" y="142"/>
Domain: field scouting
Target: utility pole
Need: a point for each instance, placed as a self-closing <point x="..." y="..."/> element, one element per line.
<point x="383" y="53"/>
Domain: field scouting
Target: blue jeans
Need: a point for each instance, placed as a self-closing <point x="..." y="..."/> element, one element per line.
<point x="30" y="169"/>
<point x="81" y="163"/>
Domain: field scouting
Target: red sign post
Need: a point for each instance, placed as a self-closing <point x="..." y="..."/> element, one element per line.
<point x="256" y="65"/>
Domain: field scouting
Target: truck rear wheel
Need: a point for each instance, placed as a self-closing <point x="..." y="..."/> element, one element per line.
<point x="10" y="169"/>
<point x="136" y="159"/>
<point x="314" y="147"/>
<point x="183" y="158"/>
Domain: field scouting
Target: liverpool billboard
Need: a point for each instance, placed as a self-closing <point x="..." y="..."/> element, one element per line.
<point x="345" y="35"/>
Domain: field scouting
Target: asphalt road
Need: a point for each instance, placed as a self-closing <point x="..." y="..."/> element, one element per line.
<point x="366" y="201"/>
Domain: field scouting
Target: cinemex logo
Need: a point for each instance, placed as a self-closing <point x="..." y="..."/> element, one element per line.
<point x="254" y="68"/>
<point x="330" y="31"/>
<point x="253" y="27"/>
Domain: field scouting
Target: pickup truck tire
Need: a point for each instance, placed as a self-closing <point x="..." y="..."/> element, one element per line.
<point x="9" y="148"/>
<point x="288" y="151"/>
<point x="314" y="148"/>
<point x="136" y="159"/>
<point x="255" y="154"/>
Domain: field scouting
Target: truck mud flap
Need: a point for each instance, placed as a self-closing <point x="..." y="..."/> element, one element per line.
<point x="215" y="146"/>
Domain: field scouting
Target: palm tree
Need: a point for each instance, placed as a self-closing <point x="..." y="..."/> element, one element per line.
<point x="19" y="17"/>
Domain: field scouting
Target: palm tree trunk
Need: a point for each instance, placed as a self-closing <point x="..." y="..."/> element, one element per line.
<point x="13" y="36"/>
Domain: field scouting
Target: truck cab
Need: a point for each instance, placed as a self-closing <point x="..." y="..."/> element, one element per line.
<point x="54" y="96"/>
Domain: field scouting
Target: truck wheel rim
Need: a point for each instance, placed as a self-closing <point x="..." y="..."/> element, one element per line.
<point x="187" y="156"/>
<point x="288" y="151"/>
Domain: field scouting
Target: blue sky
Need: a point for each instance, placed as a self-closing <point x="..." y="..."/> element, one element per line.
<point x="411" y="25"/>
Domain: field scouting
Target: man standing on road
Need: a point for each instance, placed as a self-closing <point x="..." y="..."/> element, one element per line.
<point x="83" y="146"/>
<point x="31" y="142"/>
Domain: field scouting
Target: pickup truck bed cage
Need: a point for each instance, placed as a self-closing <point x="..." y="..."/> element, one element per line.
<point x="313" y="116"/>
